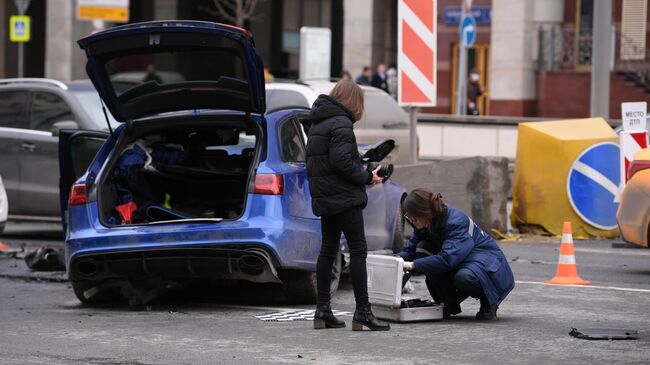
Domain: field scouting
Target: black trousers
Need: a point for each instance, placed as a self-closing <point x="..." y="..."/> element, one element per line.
<point x="454" y="287"/>
<point x="350" y="223"/>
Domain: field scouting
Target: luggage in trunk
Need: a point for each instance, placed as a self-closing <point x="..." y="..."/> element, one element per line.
<point x="181" y="173"/>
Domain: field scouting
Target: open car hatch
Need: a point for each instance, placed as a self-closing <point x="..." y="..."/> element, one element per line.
<point x="164" y="66"/>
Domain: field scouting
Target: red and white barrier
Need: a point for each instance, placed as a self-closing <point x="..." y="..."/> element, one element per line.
<point x="631" y="143"/>
<point x="417" y="52"/>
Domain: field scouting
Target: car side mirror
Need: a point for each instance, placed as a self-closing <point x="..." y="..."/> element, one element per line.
<point x="378" y="151"/>
<point x="64" y="124"/>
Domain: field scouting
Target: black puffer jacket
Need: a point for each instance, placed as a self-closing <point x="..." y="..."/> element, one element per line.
<point x="337" y="178"/>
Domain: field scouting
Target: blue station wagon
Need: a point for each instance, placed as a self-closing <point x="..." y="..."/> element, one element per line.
<point x="197" y="182"/>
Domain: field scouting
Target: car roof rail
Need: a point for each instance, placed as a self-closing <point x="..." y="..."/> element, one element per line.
<point x="35" y="80"/>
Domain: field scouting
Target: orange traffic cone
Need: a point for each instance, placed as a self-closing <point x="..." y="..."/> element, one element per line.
<point x="567" y="271"/>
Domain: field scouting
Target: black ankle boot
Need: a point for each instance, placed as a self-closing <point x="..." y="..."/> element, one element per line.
<point x="450" y="309"/>
<point x="363" y="317"/>
<point x="487" y="311"/>
<point x="324" y="318"/>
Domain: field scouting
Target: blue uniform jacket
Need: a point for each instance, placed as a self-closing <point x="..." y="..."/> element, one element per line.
<point x="465" y="245"/>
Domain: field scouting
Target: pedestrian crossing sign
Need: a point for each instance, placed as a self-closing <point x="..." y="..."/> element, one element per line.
<point x="19" y="28"/>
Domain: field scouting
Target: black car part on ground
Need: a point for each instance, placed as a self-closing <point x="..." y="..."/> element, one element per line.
<point x="206" y="181"/>
<point x="604" y="334"/>
<point x="46" y="259"/>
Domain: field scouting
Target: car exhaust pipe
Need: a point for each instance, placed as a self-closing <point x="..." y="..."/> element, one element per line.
<point x="87" y="268"/>
<point x="251" y="265"/>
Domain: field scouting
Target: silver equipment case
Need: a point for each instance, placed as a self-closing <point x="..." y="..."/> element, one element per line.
<point x="385" y="275"/>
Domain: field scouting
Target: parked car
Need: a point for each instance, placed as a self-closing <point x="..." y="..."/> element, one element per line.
<point x="4" y="206"/>
<point x="197" y="182"/>
<point x="32" y="111"/>
<point x="383" y="118"/>
<point x="633" y="214"/>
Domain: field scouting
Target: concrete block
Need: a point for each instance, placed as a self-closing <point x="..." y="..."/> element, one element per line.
<point x="479" y="186"/>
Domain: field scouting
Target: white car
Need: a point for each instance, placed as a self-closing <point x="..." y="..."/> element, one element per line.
<point x="382" y="119"/>
<point x="4" y="206"/>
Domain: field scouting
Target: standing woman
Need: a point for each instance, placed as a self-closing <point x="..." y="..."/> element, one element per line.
<point x="337" y="182"/>
<point x="457" y="257"/>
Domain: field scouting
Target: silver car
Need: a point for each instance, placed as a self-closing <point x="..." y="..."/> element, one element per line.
<point x="32" y="111"/>
<point x="382" y="119"/>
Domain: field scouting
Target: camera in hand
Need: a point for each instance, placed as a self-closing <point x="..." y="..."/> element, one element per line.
<point x="385" y="170"/>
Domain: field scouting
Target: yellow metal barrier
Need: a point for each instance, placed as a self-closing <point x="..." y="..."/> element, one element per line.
<point x="546" y="152"/>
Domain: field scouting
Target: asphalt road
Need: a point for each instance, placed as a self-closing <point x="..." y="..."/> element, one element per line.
<point x="41" y="322"/>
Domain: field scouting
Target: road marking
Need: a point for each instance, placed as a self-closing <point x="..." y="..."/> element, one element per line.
<point x="616" y="251"/>
<point x="587" y="286"/>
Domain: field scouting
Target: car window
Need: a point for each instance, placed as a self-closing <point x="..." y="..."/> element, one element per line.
<point x="293" y="149"/>
<point x="84" y="151"/>
<point x="279" y="99"/>
<point x="381" y="111"/>
<point x="47" y="109"/>
<point x="12" y="109"/>
<point x="90" y="102"/>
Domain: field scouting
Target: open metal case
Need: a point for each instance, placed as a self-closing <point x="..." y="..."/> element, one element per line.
<point x="385" y="281"/>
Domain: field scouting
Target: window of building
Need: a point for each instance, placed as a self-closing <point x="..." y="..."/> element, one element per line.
<point x="633" y="30"/>
<point x="47" y="109"/>
<point x="583" y="35"/>
<point x="12" y="109"/>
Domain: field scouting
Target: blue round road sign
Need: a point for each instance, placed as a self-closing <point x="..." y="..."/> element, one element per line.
<point x="468" y="30"/>
<point x="593" y="185"/>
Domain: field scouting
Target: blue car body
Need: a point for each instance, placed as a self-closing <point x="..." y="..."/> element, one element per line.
<point x="275" y="237"/>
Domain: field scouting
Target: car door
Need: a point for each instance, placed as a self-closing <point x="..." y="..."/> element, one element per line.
<point x="39" y="170"/>
<point x="13" y="121"/>
<point x="293" y="154"/>
<point x="77" y="149"/>
<point x="376" y="214"/>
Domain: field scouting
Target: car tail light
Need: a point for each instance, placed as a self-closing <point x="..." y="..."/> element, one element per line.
<point x="269" y="184"/>
<point x="78" y="195"/>
<point x="636" y="166"/>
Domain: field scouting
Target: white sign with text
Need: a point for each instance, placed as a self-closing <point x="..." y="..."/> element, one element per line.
<point x="315" y="53"/>
<point x="634" y="116"/>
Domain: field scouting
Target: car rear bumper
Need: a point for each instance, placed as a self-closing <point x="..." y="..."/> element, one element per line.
<point x="281" y="243"/>
<point x="253" y="264"/>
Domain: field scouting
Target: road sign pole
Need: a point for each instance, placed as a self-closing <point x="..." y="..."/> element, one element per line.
<point x="22" y="6"/>
<point x="21" y="58"/>
<point x="461" y="93"/>
<point x="600" y="58"/>
<point x="413" y="122"/>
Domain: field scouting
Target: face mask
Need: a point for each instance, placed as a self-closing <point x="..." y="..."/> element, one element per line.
<point x="474" y="77"/>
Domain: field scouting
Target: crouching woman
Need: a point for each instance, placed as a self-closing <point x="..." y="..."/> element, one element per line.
<point x="457" y="257"/>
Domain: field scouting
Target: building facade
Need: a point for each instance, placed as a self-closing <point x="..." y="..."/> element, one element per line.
<point x="533" y="56"/>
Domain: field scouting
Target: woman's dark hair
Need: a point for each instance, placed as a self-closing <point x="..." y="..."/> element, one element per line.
<point x="424" y="204"/>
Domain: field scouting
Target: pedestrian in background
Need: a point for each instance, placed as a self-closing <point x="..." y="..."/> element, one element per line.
<point x="457" y="257"/>
<point x="337" y="181"/>
<point x="379" y="78"/>
<point x="366" y="76"/>
<point x="391" y="73"/>
<point x="345" y="75"/>
<point x="474" y="90"/>
<point x="151" y="74"/>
